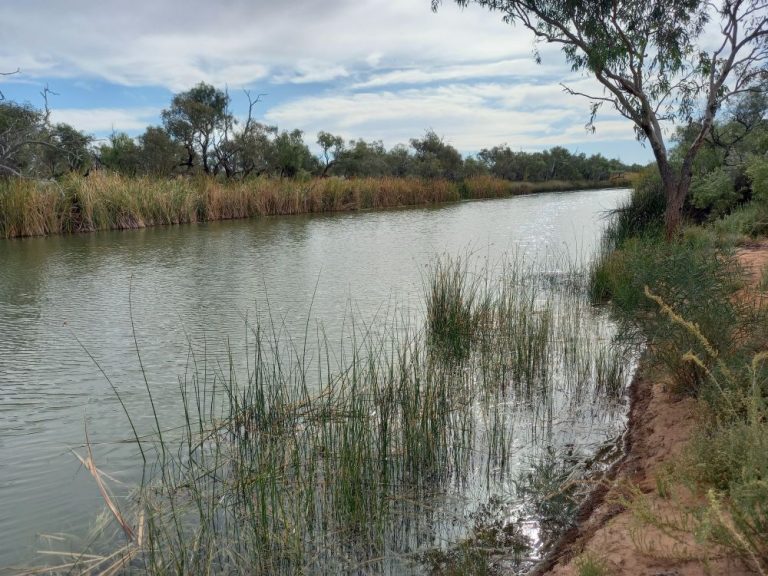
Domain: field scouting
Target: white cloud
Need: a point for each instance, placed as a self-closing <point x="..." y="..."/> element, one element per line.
<point x="307" y="72"/>
<point x="470" y="117"/>
<point x="521" y="67"/>
<point x="176" y="44"/>
<point x="104" y="120"/>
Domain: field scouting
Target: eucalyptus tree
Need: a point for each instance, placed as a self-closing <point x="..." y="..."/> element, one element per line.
<point x="332" y="147"/>
<point x="21" y="132"/>
<point x="194" y="120"/>
<point x="654" y="65"/>
<point x="158" y="153"/>
<point x="433" y="158"/>
<point x="290" y="156"/>
<point x="121" y="154"/>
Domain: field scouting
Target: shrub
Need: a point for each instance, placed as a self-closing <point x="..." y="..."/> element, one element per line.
<point x="683" y="274"/>
<point x="642" y="215"/>
<point x="757" y="170"/>
<point x="715" y="193"/>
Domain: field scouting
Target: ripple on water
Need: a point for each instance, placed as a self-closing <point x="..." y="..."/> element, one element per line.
<point x="61" y="296"/>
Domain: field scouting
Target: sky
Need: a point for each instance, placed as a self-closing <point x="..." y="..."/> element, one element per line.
<point x="374" y="69"/>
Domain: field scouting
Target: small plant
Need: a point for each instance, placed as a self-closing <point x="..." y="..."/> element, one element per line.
<point x="590" y="564"/>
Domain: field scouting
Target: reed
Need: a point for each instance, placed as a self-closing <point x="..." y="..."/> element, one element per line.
<point x="365" y="458"/>
<point x="110" y="201"/>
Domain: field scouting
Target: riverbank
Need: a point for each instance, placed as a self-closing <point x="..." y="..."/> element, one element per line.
<point x="688" y="497"/>
<point x="108" y="201"/>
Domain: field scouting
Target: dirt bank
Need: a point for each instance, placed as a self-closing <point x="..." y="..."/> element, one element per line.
<point x="660" y="425"/>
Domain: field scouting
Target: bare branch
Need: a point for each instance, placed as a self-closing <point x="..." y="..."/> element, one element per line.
<point x="2" y="96"/>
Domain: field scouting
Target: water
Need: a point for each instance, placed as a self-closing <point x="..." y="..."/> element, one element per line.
<point x="63" y="299"/>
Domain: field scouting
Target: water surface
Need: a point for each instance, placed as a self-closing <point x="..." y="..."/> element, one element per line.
<point x="64" y="299"/>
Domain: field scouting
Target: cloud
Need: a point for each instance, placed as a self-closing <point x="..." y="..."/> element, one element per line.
<point x="469" y="116"/>
<point x="105" y="120"/>
<point x="175" y="44"/>
<point x="308" y="72"/>
<point x="521" y="67"/>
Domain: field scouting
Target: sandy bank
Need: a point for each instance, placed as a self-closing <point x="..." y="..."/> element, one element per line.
<point x="660" y="425"/>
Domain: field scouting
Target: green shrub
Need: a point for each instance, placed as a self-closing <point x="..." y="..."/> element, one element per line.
<point x="729" y="458"/>
<point x="757" y="170"/>
<point x="642" y="214"/>
<point x="715" y="192"/>
<point x="684" y="275"/>
<point x="748" y="220"/>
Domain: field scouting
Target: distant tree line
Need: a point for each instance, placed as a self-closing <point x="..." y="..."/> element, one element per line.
<point x="200" y="135"/>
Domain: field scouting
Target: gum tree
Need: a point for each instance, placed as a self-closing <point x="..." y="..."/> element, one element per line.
<point x="194" y="120"/>
<point x="653" y="62"/>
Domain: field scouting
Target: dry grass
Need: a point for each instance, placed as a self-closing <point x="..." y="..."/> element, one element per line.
<point x="108" y="201"/>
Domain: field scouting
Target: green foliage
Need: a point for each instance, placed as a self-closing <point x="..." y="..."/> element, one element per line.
<point x="433" y="158"/>
<point x="715" y="193"/>
<point x="554" y="164"/>
<point x="641" y="215"/>
<point x="122" y="154"/>
<point x="591" y="565"/>
<point x="451" y="300"/>
<point x="159" y="154"/>
<point x="757" y="170"/>
<point x="683" y="274"/>
<point x="31" y="147"/>
<point x="194" y="119"/>
<point x="749" y="220"/>
<point x="331" y="146"/>
<point x="290" y="157"/>
<point x="20" y="126"/>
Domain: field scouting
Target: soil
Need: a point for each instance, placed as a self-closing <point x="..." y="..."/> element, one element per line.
<point x="660" y="425"/>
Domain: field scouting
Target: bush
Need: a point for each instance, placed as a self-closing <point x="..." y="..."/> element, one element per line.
<point x="642" y="215"/>
<point x="715" y="193"/>
<point x="684" y="275"/>
<point x="757" y="170"/>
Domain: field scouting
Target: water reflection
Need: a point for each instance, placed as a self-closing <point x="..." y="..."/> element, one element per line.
<point x="197" y="282"/>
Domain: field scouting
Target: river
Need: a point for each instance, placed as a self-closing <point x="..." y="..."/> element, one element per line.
<point x="69" y="302"/>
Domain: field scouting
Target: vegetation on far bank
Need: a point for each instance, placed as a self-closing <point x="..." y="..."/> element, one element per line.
<point x="203" y="164"/>
<point x="109" y="201"/>
<point x="201" y="135"/>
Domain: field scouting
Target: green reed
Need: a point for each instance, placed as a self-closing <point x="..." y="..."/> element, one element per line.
<point x="360" y="457"/>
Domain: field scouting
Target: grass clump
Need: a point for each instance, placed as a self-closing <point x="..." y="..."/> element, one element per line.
<point x="589" y="564"/>
<point x="452" y="301"/>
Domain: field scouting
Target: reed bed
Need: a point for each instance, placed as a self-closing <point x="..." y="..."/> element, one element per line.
<point x="379" y="455"/>
<point x="109" y="201"/>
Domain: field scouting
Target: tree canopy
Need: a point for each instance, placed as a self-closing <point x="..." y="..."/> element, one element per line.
<point x="650" y="58"/>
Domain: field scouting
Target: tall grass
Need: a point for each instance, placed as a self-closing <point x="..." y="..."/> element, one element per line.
<point x="364" y="458"/>
<point x="108" y="201"/>
<point x="728" y="456"/>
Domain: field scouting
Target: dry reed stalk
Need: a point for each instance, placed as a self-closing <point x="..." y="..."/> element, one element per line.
<point x="90" y="465"/>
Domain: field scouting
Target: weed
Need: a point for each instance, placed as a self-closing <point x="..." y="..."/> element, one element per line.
<point x="590" y="564"/>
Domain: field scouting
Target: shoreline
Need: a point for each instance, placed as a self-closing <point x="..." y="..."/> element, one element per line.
<point x="659" y="426"/>
<point x="104" y="201"/>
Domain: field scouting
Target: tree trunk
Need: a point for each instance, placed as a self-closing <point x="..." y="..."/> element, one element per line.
<point x="675" y="193"/>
